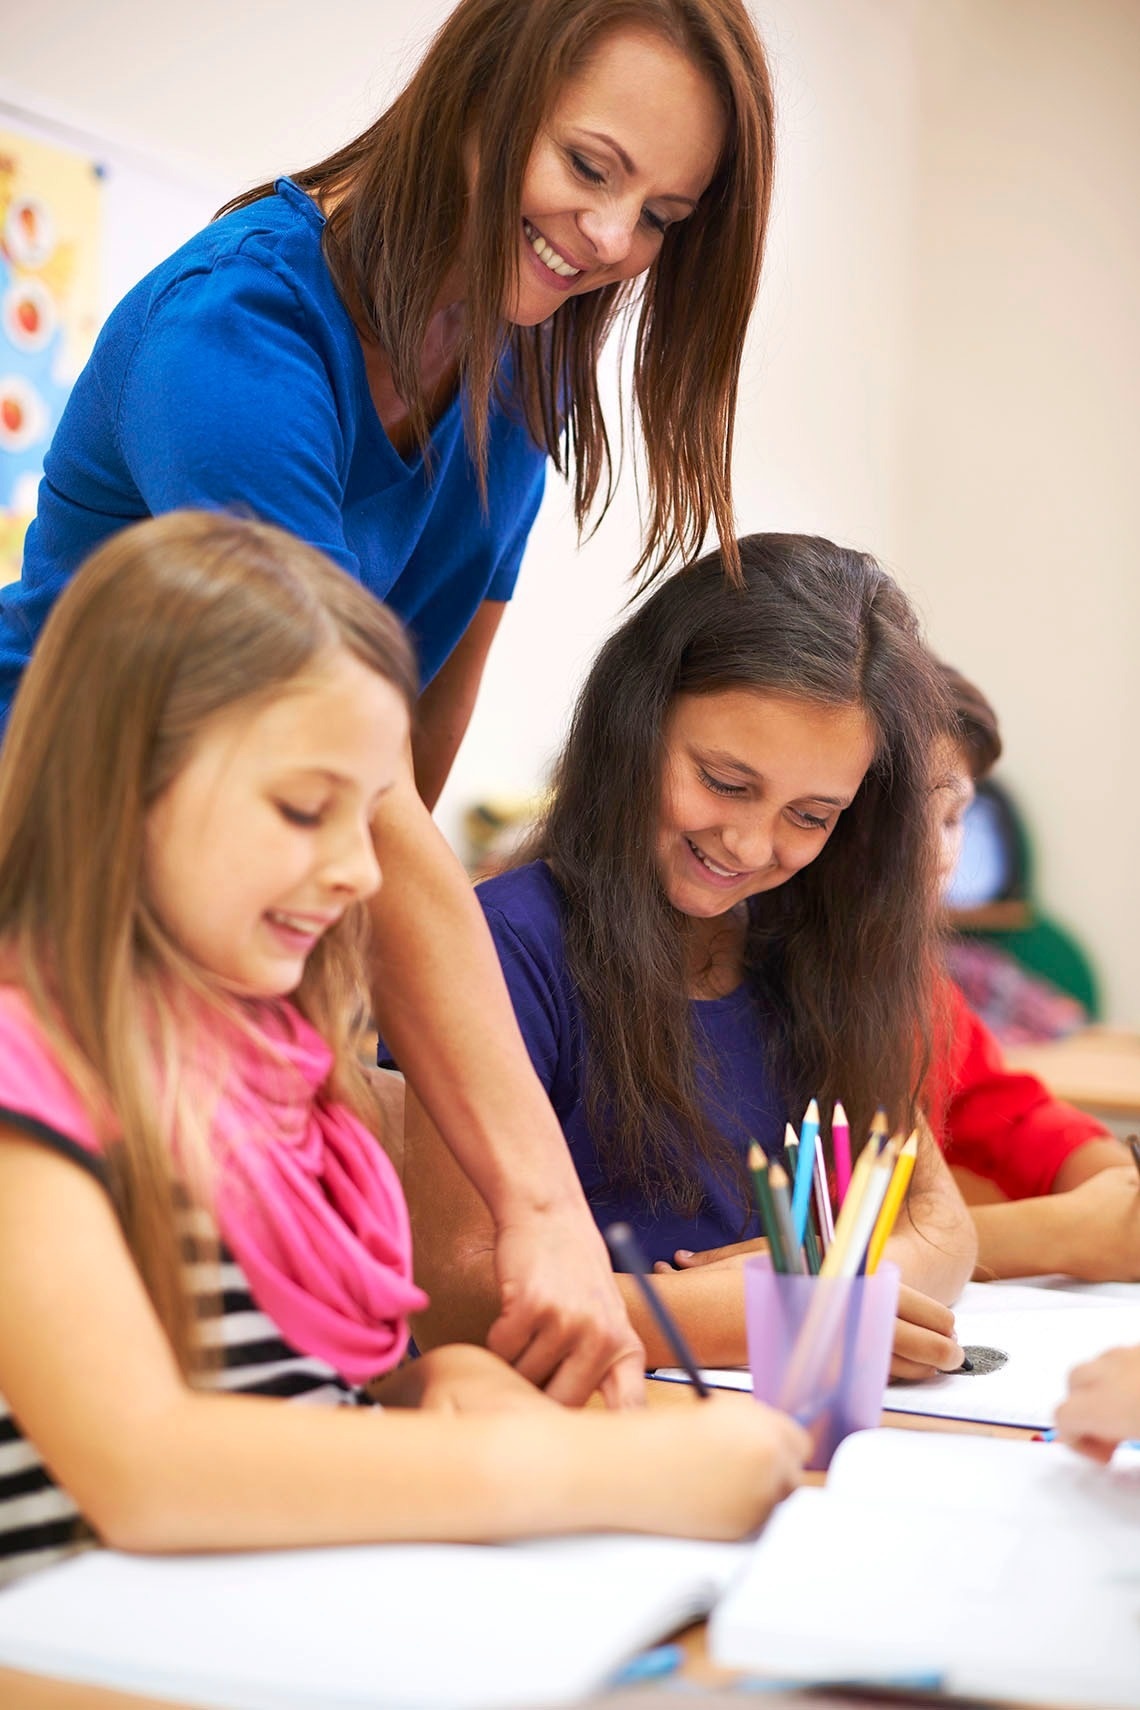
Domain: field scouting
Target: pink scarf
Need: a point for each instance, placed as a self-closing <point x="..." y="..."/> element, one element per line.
<point x="310" y="1205"/>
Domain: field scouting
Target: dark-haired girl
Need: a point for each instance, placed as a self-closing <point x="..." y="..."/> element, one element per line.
<point x="381" y="354"/>
<point x="727" y="908"/>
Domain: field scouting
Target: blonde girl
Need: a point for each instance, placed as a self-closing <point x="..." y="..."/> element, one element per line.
<point x="196" y="1222"/>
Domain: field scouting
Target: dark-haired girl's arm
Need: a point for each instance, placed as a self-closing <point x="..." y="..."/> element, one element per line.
<point x="453" y="1239"/>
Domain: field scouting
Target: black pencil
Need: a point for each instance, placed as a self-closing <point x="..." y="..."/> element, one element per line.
<point x="623" y="1244"/>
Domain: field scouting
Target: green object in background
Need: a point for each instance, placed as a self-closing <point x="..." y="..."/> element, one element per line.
<point x="997" y="867"/>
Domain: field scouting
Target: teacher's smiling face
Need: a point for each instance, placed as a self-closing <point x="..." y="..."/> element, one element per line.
<point x="628" y="149"/>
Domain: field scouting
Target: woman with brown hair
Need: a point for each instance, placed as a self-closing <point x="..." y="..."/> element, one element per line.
<point x="720" y="916"/>
<point x="381" y="354"/>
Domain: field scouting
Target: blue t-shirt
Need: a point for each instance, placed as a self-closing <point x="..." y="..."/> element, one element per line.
<point x="232" y="378"/>
<point x="524" y="911"/>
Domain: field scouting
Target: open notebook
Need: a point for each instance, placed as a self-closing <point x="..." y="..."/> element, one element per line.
<point x="1000" y="1570"/>
<point x="409" y="1627"/>
<point x="1042" y="1331"/>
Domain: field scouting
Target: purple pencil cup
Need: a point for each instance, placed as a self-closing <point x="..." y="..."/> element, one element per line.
<point x="820" y="1348"/>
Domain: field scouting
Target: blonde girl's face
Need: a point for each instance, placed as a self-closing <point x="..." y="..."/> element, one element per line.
<point x="263" y="839"/>
<point x="753" y="785"/>
<point x="628" y="149"/>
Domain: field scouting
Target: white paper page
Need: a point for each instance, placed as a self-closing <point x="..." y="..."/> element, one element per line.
<point x="731" y="1377"/>
<point x="824" y="1599"/>
<point x="1060" y="1288"/>
<point x="412" y="1627"/>
<point x="1036" y="1294"/>
<point x="1021" y="1581"/>
<point x="995" y="1476"/>
<point x="1042" y="1347"/>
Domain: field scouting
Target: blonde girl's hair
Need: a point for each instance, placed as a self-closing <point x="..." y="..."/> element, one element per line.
<point x="398" y="207"/>
<point x="170" y="624"/>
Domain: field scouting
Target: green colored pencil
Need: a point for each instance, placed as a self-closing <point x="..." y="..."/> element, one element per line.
<point x="780" y="1189"/>
<point x="758" y="1166"/>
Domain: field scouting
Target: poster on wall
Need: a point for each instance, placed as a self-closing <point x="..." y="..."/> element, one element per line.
<point x="50" y="229"/>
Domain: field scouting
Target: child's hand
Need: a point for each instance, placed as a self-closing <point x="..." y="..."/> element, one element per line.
<point x="1100" y="1237"/>
<point x="459" y="1378"/>
<point x="1102" y="1407"/>
<point x="924" y="1337"/>
<point x="726" y="1258"/>
<point x="714" y="1470"/>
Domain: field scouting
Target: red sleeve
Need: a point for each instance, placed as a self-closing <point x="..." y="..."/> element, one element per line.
<point x="1001" y="1125"/>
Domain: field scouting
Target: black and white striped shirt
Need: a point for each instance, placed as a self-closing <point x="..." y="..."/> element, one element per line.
<point x="39" y="1522"/>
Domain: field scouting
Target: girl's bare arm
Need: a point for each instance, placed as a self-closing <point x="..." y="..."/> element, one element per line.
<point x="156" y="1466"/>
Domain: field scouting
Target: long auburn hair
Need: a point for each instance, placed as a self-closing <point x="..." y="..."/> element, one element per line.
<point x="170" y="624"/>
<point x="400" y="204"/>
<point x="842" y="954"/>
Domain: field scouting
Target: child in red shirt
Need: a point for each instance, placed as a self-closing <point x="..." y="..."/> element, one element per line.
<point x="1050" y="1189"/>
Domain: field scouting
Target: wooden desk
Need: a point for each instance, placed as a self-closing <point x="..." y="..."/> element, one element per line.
<point x="34" y="1692"/>
<point x="1097" y="1069"/>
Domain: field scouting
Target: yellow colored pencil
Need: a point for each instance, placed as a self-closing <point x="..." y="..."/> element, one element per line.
<point x="878" y="1182"/>
<point x="892" y="1205"/>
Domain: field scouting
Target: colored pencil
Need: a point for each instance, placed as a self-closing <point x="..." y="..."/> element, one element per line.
<point x="758" y="1167"/>
<point x="781" y="1200"/>
<point x="823" y="1210"/>
<point x="878" y="1185"/>
<point x="623" y="1244"/>
<point x="805" y="1170"/>
<point x="810" y="1245"/>
<point x="841" y="1151"/>
<point x="892" y="1204"/>
<point x="848" y="1211"/>
<point x="833" y="1306"/>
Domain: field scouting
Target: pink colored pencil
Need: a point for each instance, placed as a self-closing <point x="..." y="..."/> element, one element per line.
<point x="841" y="1148"/>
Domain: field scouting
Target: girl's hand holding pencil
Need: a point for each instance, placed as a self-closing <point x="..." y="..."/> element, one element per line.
<point x="924" y="1329"/>
<point x="924" y="1337"/>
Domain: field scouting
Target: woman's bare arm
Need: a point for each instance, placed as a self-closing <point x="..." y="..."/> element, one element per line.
<point x="442" y="1006"/>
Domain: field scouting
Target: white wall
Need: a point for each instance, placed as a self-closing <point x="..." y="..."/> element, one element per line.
<point x="942" y="368"/>
<point x="1020" y="516"/>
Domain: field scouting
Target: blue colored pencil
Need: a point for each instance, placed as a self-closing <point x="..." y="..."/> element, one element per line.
<point x="805" y="1169"/>
<point x="624" y="1245"/>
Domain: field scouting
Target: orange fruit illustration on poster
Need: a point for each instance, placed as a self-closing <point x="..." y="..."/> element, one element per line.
<point x="50" y="228"/>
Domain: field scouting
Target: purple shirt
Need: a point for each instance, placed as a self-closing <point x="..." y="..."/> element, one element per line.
<point x="524" y="911"/>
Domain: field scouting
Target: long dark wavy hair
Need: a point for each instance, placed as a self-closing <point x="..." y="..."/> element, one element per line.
<point x="842" y="955"/>
<point x="400" y="206"/>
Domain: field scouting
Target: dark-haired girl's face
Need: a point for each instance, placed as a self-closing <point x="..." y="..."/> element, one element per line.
<point x="628" y="149"/>
<point x="752" y="787"/>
